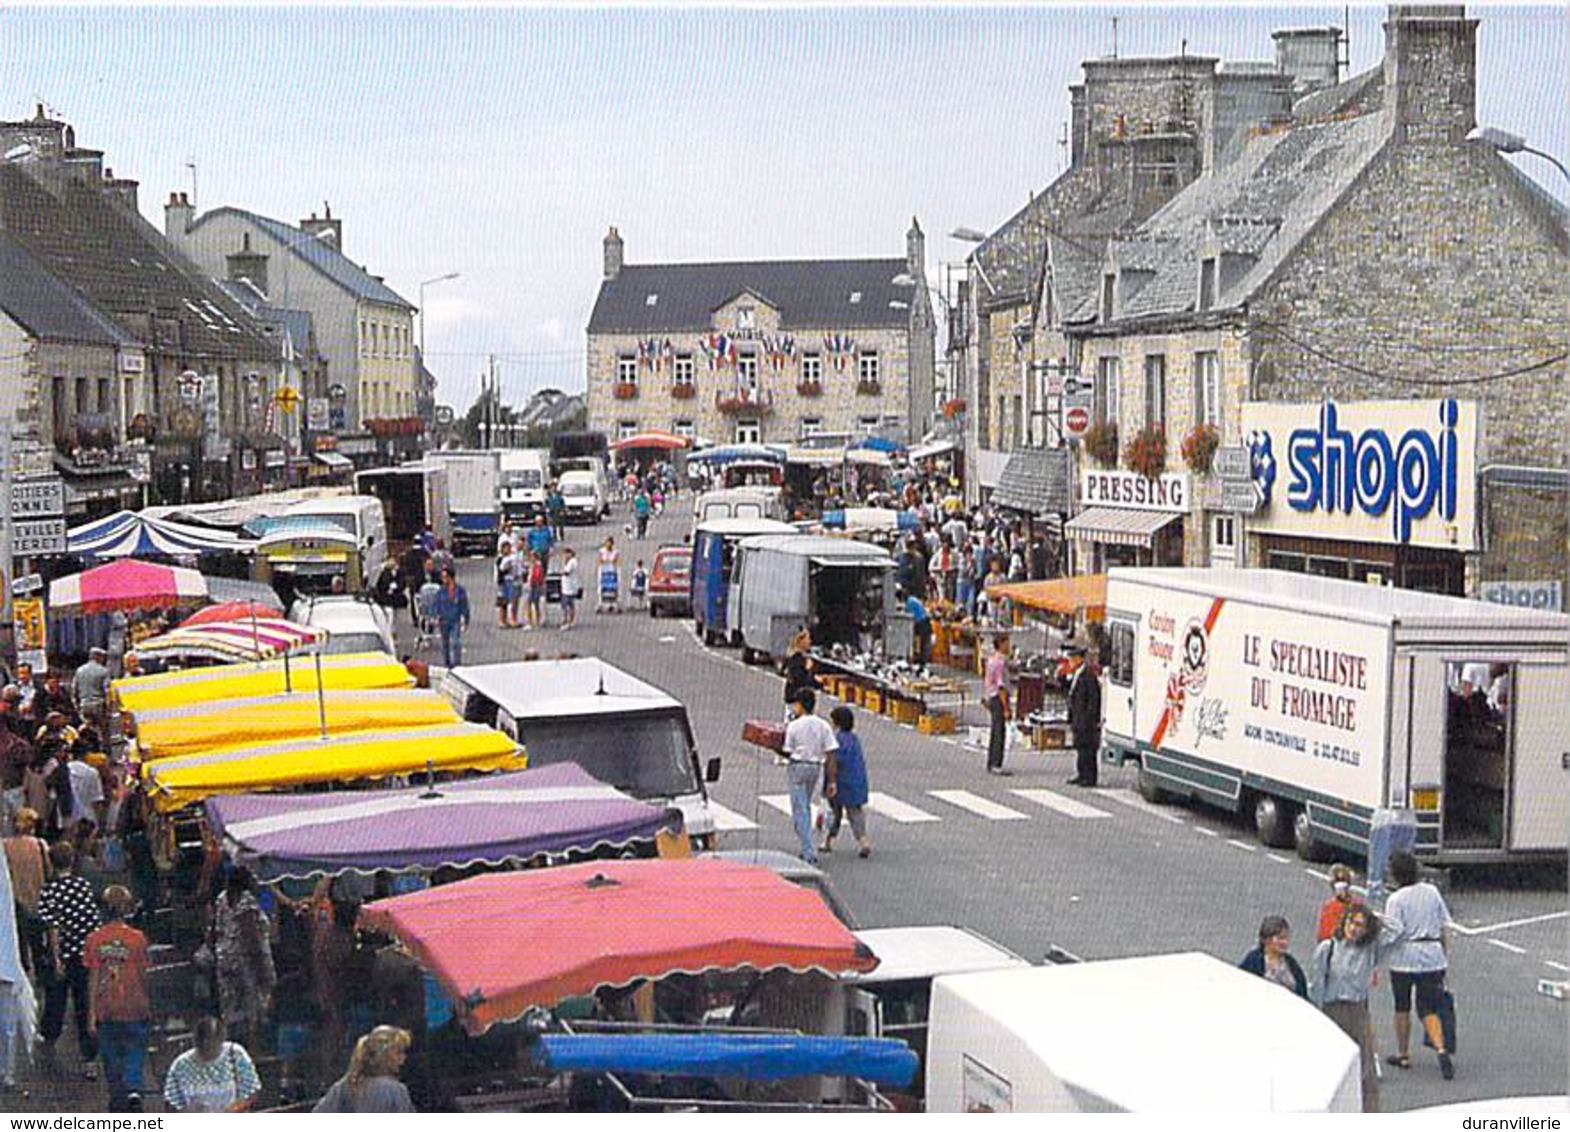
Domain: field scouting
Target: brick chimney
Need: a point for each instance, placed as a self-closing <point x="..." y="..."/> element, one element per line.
<point x="614" y="252"/>
<point x="327" y="229"/>
<point x="916" y="250"/>
<point x="178" y="214"/>
<point x="123" y="190"/>
<point x="1431" y="72"/>
<point x="248" y="264"/>
<point x="1310" y="57"/>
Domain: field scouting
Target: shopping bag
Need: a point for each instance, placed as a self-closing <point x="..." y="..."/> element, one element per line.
<point x="820" y="817"/>
<point x="1447" y="1022"/>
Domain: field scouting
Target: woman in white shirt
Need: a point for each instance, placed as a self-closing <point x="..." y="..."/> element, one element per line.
<point x="1417" y="933"/>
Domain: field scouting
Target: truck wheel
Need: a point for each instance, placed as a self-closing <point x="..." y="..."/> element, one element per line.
<point x="748" y="656"/>
<point x="654" y="609"/>
<point x="1306" y="841"/>
<point x="1152" y="793"/>
<point x="1273" y="821"/>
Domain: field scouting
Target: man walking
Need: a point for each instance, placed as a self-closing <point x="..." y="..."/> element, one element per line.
<point x="808" y="741"/>
<point x="541" y="540"/>
<point x="451" y="608"/>
<point x="120" y="1013"/>
<point x="1084" y="714"/>
<point x="70" y="912"/>
<point x="91" y="686"/>
<point x="995" y="690"/>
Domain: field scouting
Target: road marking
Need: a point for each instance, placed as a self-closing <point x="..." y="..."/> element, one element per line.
<point x="895" y="810"/>
<point x="1243" y="845"/>
<point x="1278" y="858"/>
<point x="1506" y="946"/>
<point x="780" y="802"/>
<point x="1068" y="807"/>
<point x="1206" y="832"/>
<point x="1556" y="966"/>
<point x="727" y="820"/>
<point x="978" y="805"/>
<point x="1134" y="801"/>
<point x="667" y="640"/>
<point x="1486" y="928"/>
<point x="1317" y="875"/>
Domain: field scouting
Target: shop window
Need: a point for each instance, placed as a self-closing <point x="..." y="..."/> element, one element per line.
<point x="1281" y="560"/>
<point x="1329" y="567"/>
<point x="1120" y="653"/>
<point x="749" y="432"/>
<point x="1478" y="721"/>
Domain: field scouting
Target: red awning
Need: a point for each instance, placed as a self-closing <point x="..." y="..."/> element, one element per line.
<point x="667" y="441"/>
<point x="502" y="943"/>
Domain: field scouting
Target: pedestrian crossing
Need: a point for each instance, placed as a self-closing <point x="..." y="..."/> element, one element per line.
<point x="909" y="813"/>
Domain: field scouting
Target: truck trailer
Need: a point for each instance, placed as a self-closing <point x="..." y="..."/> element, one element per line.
<point x="473" y="497"/>
<point x="840" y="589"/>
<point x="1311" y="703"/>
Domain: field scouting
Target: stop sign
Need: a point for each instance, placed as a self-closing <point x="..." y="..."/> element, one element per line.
<point x="1076" y="421"/>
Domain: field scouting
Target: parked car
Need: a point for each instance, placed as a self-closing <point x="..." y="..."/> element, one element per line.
<point x="352" y="623"/>
<point x="670" y="582"/>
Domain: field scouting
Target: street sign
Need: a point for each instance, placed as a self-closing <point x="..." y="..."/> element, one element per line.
<point x="1076" y="421"/>
<point x="1241" y="497"/>
<point x="1077" y="383"/>
<point x="190" y="383"/>
<point x="37" y="499"/>
<point x="27" y="584"/>
<point x="444" y="415"/>
<point x="37" y="536"/>
<point x="316" y="414"/>
<point x="288" y="398"/>
<point x="1231" y="463"/>
<point x="31" y="630"/>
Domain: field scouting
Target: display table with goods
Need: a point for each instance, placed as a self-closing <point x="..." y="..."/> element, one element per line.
<point x="900" y="690"/>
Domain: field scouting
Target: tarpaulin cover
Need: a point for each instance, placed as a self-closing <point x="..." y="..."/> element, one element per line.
<point x="502" y="943"/>
<point x="232" y="611"/>
<point x="188" y="779"/>
<point x="1085" y="594"/>
<point x="214" y="725"/>
<point x="491" y="820"/>
<point x="127" y="533"/>
<point x="259" y="638"/>
<point x="268" y="678"/>
<point x="738" y="453"/>
<point x="751" y="1057"/>
<point x="126" y="585"/>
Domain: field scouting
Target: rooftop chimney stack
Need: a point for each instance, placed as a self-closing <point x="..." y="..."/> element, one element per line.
<point x="328" y="230"/>
<point x="614" y="253"/>
<point x="1310" y="57"/>
<point x="248" y="265"/>
<point x="178" y="214"/>
<point x="1431" y="72"/>
<point x="916" y="251"/>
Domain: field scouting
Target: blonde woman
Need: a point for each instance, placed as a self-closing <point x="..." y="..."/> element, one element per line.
<point x="371" y="1084"/>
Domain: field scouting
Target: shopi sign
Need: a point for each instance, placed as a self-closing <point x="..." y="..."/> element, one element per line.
<point x="1399" y="472"/>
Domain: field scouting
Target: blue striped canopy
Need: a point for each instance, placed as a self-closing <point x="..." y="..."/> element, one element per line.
<point x="127" y="534"/>
<point x="751" y="1056"/>
<point x="736" y="453"/>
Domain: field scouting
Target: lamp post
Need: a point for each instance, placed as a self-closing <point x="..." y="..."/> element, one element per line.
<point x="423" y="285"/>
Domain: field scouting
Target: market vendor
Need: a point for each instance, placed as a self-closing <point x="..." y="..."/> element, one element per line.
<point x="921" y="622"/>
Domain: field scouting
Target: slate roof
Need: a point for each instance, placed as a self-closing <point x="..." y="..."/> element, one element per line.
<point x="45" y="307"/>
<point x="809" y="294"/>
<point x="297" y="324"/>
<point x="1362" y="93"/>
<point x="122" y="266"/>
<point x="321" y="255"/>
<point x="1035" y="481"/>
<point x="1262" y="204"/>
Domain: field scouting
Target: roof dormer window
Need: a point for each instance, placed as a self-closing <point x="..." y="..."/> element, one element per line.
<point x="651" y="299"/>
<point x="1109" y="290"/>
<point x="1207" y="283"/>
<point x="855" y="297"/>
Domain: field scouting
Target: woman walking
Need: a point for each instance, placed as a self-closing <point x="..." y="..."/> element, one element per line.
<point x="216" y="1076"/>
<point x="244" y="955"/>
<point x="1418" y="923"/>
<point x="609" y="575"/>
<point x="1344" y="966"/>
<point x="1272" y="961"/>
<point x="371" y="1084"/>
<point x="845" y="783"/>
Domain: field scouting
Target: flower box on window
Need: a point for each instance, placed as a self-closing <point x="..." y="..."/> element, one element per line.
<point x="743" y="401"/>
<point x="1147" y="452"/>
<point x="954" y="408"/>
<point x="1101" y="442"/>
<point x="683" y="391"/>
<point x="1199" y="448"/>
<point x="624" y="390"/>
<point x="872" y="388"/>
<point x="809" y="388"/>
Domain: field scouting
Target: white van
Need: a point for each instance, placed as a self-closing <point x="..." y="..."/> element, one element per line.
<point x="359" y="515"/>
<point x="583" y="494"/>
<point x="623" y="731"/>
<point x="756" y="502"/>
<point x="353" y="624"/>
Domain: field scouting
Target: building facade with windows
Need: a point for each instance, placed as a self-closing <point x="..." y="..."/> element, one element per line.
<point x="1371" y="305"/>
<point x="764" y="352"/>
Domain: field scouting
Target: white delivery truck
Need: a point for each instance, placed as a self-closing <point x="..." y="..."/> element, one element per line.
<point x="1310" y="703"/>
<point x="840" y="589"/>
<point x="525" y="479"/>
<point x="473" y="498"/>
<point x="1171" y="1034"/>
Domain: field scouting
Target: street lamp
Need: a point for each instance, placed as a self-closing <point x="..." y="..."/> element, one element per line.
<point x="1503" y="141"/>
<point x="423" y="285"/>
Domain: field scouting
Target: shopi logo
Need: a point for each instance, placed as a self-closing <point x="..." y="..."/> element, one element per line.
<point x="1331" y="469"/>
<point x="1261" y="464"/>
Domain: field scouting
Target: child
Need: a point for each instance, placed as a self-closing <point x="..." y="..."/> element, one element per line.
<point x="640" y="584"/>
<point x="845" y="782"/>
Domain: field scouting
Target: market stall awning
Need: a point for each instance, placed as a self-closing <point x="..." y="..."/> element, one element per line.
<point x="502" y="943"/>
<point x="267" y="678"/>
<point x="169" y="732"/>
<point x="933" y="448"/>
<point x="334" y="460"/>
<point x="242" y="610"/>
<point x="748" y="1056"/>
<point x="492" y="821"/>
<point x="126" y="585"/>
<point x="1118" y="526"/>
<point x="128" y="533"/>
<point x="1083" y="596"/>
<point x="815" y="457"/>
<point x="259" y="638"/>
<point x="184" y="781"/>
<point x="654" y="439"/>
<point x="1035" y="482"/>
<point x="739" y="453"/>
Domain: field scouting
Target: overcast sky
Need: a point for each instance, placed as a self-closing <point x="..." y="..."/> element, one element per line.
<point x="501" y="143"/>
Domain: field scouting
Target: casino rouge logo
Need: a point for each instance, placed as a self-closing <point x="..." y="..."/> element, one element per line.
<point x="1330" y="470"/>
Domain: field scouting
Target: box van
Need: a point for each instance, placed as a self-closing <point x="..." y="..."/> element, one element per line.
<point x="317" y="539"/>
<point x="584" y="495"/>
<point x="473" y="498"/>
<point x="1312" y="703"/>
<point x="739" y="503"/>
<point x="524" y="476"/>
<point x="414" y="496"/>
<point x="623" y="731"/>
<point x="840" y="589"/>
<point x="715" y="613"/>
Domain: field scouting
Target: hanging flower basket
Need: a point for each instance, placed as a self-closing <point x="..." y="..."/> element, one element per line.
<point x="809" y="388"/>
<point x="1147" y="452"/>
<point x="954" y="407"/>
<point x="1199" y="448"/>
<point x="683" y="391"/>
<point x="1101" y="442"/>
<point x="624" y="390"/>
<point x="737" y="403"/>
<point x="869" y="388"/>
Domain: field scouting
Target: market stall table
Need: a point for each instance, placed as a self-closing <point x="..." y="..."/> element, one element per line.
<point x="924" y="694"/>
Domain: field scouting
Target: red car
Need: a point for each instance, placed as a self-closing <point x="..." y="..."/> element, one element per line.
<point x="670" y="582"/>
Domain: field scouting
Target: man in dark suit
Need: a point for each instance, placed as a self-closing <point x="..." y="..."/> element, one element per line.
<point x="1084" y="714"/>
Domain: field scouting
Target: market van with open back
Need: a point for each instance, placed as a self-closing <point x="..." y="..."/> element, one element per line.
<point x="1310" y="703"/>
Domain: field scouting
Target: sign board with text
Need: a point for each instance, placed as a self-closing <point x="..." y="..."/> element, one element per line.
<point x="1231" y="463"/>
<point x="37" y="499"/>
<point x="37" y="537"/>
<point x="1239" y="497"/>
<point x="1076" y="421"/>
<point x="31" y="630"/>
<point x="1546" y="594"/>
<point x="1134" y="492"/>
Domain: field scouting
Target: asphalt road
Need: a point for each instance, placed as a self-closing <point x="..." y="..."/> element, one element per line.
<point x="1036" y="864"/>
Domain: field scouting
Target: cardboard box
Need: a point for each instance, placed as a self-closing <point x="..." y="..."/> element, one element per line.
<point x="1053" y="737"/>
<point x="904" y="711"/>
<point x="937" y="723"/>
<point x="765" y="733"/>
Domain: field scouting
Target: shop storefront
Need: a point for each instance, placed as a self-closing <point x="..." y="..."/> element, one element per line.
<point x="1128" y="520"/>
<point x="1372" y="491"/>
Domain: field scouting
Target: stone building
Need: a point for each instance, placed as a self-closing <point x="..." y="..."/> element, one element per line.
<point x="364" y="329"/>
<point x="1375" y="306"/>
<point x="767" y="352"/>
<point x="176" y="381"/>
<point x="1142" y="129"/>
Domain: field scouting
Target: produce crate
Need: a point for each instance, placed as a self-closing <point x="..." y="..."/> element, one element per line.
<point x="903" y="711"/>
<point x="937" y="723"/>
<point x="1053" y="737"/>
<point x="872" y="699"/>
